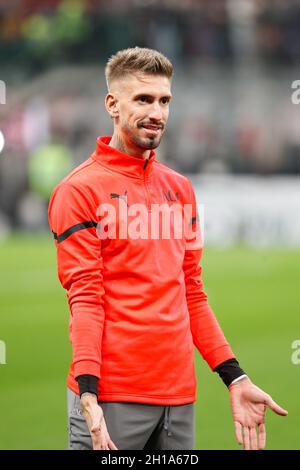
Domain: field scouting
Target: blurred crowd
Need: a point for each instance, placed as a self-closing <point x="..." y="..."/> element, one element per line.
<point x="186" y="30"/>
<point x="235" y="61"/>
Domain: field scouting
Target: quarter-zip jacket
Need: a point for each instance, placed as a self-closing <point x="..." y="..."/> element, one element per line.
<point x="137" y="305"/>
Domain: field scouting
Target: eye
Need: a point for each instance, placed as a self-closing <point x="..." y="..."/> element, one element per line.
<point x="144" y="99"/>
<point x="165" y="100"/>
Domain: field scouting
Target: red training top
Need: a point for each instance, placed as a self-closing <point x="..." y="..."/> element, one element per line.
<point x="137" y="305"/>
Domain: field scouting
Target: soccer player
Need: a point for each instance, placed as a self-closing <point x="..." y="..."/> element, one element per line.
<point x="136" y="298"/>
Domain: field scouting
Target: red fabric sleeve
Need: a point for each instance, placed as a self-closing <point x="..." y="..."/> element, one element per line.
<point x="206" y="331"/>
<point x="80" y="273"/>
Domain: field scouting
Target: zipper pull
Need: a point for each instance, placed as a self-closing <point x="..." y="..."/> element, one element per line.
<point x="146" y="163"/>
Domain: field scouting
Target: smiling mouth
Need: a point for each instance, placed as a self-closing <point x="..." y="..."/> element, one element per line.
<point x="152" y="128"/>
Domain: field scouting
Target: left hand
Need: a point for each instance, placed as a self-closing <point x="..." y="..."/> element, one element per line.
<point x="248" y="405"/>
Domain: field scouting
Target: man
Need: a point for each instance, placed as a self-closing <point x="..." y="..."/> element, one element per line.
<point x="135" y="295"/>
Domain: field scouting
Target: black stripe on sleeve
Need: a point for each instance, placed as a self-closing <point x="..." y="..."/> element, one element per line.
<point x="75" y="228"/>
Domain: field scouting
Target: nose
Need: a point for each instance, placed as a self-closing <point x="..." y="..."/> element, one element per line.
<point x="156" y="112"/>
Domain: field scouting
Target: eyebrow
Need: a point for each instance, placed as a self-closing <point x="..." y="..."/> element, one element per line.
<point x="151" y="96"/>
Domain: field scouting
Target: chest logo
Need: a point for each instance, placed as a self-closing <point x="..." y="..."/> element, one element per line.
<point x="170" y="196"/>
<point x="119" y="196"/>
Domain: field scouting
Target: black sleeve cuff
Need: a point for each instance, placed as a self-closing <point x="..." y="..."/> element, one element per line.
<point x="88" y="383"/>
<point x="229" y="370"/>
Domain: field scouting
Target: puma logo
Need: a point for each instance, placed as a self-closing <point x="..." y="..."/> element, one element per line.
<point x="119" y="196"/>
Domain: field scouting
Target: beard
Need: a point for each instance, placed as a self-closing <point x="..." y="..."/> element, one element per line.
<point x="143" y="142"/>
<point x="146" y="143"/>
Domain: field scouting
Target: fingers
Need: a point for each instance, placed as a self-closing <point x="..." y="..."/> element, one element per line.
<point x="96" y="424"/>
<point x="275" y="407"/>
<point x="238" y="432"/>
<point x="246" y="435"/>
<point x="112" y="445"/>
<point x="261" y="436"/>
<point x="250" y="438"/>
<point x="253" y="439"/>
<point x="96" y="439"/>
<point x="107" y="443"/>
<point x="100" y="438"/>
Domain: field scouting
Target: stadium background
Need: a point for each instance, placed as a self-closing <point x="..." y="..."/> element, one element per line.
<point x="233" y="129"/>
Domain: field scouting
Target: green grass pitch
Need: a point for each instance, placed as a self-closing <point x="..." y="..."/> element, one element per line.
<point x="254" y="293"/>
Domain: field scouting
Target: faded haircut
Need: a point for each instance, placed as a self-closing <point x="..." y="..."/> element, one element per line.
<point x="137" y="59"/>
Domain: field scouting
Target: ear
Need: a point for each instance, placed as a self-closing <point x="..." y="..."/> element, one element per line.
<point x="112" y="105"/>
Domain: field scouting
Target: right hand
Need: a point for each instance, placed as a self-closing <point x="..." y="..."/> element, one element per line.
<point x="96" y="423"/>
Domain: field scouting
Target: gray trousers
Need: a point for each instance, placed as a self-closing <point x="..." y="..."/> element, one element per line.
<point x="135" y="426"/>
